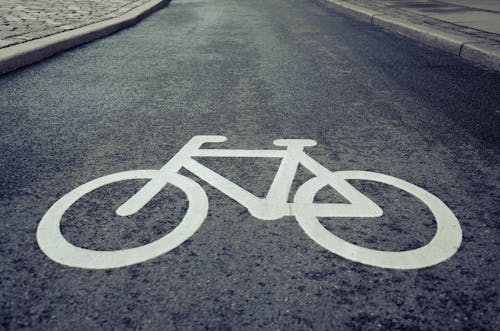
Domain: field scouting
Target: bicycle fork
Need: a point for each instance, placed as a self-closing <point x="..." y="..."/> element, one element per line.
<point x="275" y="205"/>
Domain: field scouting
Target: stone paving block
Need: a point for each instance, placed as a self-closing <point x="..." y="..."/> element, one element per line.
<point x="29" y="20"/>
<point x="7" y="42"/>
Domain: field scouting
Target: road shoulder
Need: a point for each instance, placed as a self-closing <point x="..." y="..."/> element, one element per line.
<point x="474" y="45"/>
<point x="20" y="55"/>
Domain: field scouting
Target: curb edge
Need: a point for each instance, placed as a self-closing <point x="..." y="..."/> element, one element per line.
<point x="462" y="46"/>
<point x="20" y="55"/>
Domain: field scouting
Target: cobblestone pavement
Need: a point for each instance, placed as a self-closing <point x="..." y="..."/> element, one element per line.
<point x="21" y="21"/>
<point x="420" y="12"/>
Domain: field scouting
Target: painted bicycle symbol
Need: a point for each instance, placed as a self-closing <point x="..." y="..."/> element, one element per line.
<point x="275" y="205"/>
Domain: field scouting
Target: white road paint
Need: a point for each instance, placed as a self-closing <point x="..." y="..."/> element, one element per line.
<point x="53" y="244"/>
<point x="444" y="244"/>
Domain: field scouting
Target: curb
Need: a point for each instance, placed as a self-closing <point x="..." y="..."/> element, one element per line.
<point x="20" y="55"/>
<point x="469" y="48"/>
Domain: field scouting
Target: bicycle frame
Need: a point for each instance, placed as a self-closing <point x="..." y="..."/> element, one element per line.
<point x="443" y="245"/>
<point x="275" y="205"/>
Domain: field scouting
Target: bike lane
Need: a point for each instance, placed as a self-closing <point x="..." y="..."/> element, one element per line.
<point x="253" y="72"/>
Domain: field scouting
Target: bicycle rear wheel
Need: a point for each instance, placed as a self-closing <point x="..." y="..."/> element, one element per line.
<point x="57" y="248"/>
<point x="443" y="245"/>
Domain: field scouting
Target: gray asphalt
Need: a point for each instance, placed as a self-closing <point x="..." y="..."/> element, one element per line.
<point x="253" y="71"/>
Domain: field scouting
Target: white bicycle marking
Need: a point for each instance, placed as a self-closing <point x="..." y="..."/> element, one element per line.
<point x="443" y="245"/>
<point x="54" y="245"/>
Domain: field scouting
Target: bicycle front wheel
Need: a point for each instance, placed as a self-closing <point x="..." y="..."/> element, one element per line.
<point x="57" y="248"/>
<point x="443" y="245"/>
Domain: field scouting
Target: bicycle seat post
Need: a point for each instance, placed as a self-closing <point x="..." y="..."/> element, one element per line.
<point x="190" y="148"/>
<point x="197" y="141"/>
<point x="156" y="184"/>
<point x="296" y="144"/>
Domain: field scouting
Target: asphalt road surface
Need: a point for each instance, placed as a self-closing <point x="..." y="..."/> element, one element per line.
<point x="253" y="71"/>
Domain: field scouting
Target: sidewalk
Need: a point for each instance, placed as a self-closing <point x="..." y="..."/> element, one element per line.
<point x="33" y="30"/>
<point x="467" y="28"/>
<point x="21" y="21"/>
